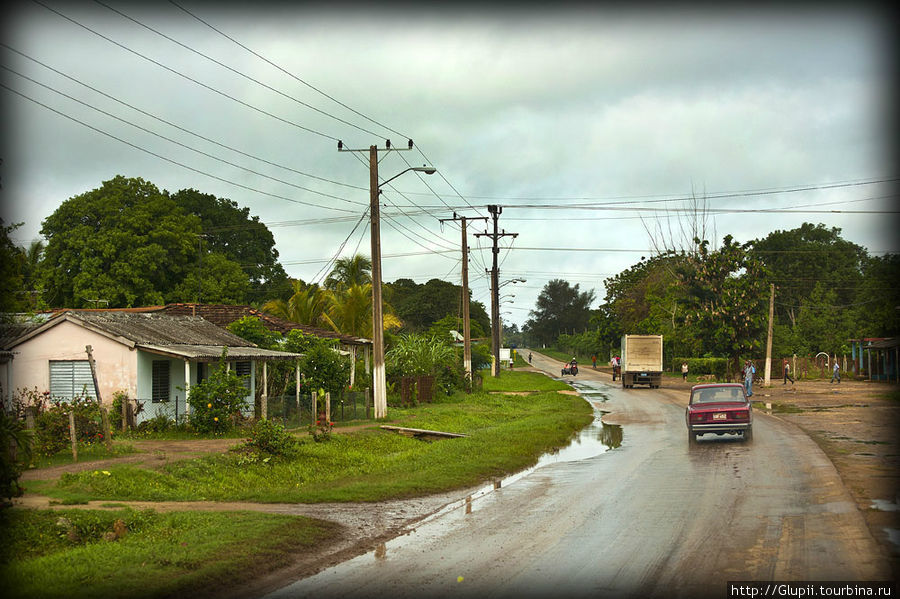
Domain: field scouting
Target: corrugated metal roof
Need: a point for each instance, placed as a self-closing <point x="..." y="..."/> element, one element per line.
<point x="159" y="329"/>
<point x="225" y="314"/>
<point x="211" y="353"/>
<point x="186" y="337"/>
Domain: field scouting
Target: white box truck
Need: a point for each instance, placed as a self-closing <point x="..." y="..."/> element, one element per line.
<point x="642" y="360"/>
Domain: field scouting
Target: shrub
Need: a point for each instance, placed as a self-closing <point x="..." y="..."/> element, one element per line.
<point x="699" y="366"/>
<point x="51" y="425"/>
<point x="217" y="401"/>
<point x="15" y="453"/>
<point x="271" y="438"/>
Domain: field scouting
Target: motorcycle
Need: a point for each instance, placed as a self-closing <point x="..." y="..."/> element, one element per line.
<point x="570" y="368"/>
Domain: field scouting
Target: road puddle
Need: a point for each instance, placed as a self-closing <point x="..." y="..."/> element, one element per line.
<point x="593" y="440"/>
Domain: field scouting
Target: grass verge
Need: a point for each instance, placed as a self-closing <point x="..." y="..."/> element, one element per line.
<point x="128" y="553"/>
<point x="505" y="434"/>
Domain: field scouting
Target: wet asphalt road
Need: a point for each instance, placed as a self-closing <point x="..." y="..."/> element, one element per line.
<point x="635" y="513"/>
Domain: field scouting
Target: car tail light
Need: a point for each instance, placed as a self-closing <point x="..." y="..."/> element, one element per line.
<point x="698" y="417"/>
<point x="741" y="415"/>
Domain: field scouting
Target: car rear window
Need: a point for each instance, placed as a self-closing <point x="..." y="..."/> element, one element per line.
<point x="723" y="394"/>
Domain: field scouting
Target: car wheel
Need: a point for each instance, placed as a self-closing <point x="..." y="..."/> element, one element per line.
<point x="692" y="438"/>
<point x="748" y="434"/>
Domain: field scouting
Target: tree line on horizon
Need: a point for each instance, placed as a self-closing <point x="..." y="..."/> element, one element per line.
<point x="130" y="244"/>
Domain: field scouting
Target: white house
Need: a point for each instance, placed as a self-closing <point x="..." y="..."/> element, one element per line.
<point x="153" y="358"/>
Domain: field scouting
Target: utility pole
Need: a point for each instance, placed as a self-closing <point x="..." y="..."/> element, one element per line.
<point x="495" y="286"/>
<point x="467" y="329"/>
<point x="379" y="383"/>
<point x="768" y="377"/>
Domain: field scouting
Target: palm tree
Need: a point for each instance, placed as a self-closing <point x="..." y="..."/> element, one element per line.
<point x="351" y="311"/>
<point x="350" y="271"/>
<point x="308" y="305"/>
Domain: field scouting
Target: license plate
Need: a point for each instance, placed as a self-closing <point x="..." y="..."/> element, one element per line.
<point x="720" y="416"/>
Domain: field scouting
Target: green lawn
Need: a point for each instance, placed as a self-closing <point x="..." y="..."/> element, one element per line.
<point x="67" y="553"/>
<point x="505" y="433"/>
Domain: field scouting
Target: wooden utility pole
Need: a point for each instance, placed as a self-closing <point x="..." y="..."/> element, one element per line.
<point x="768" y="377"/>
<point x="379" y="383"/>
<point x="467" y="328"/>
<point x="495" y="286"/>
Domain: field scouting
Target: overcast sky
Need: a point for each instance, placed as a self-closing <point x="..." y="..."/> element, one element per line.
<point x="590" y="127"/>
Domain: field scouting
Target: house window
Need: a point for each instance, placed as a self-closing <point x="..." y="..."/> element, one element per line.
<point x="160" y="381"/>
<point x="202" y="372"/>
<point x="243" y="369"/>
<point x="70" y="379"/>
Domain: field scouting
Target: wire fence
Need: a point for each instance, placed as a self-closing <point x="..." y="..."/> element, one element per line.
<point x="349" y="406"/>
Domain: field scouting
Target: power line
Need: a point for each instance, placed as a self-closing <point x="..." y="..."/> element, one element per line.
<point x="285" y="71"/>
<point x="169" y="160"/>
<point x="189" y="78"/>
<point x="176" y="126"/>
<point x="178" y="143"/>
<point x="233" y="70"/>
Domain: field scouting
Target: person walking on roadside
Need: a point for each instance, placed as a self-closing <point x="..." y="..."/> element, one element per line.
<point x="749" y="371"/>
<point x="529" y="357"/>
<point x="594" y="360"/>
<point x="787" y="372"/>
<point x="836" y="372"/>
<point x="684" y="371"/>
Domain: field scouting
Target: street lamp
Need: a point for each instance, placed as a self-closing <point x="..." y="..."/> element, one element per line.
<point x="379" y="383"/>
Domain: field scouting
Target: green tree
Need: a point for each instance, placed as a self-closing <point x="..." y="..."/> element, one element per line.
<point x="322" y="366"/>
<point x="221" y="281"/>
<point x="307" y="304"/>
<point x="875" y="312"/>
<point x="725" y="302"/>
<point x="356" y="270"/>
<point x="253" y="330"/>
<point x="560" y="308"/>
<point x="12" y="262"/>
<point x="125" y="243"/>
<point x="822" y="324"/>
<point x="230" y="231"/>
<point x="419" y="306"/>
<point x="800" y="258"/>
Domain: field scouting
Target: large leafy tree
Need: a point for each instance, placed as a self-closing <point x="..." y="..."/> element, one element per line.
<point x="419" y="306"/>
<point x="876" y="312"/>
<point x="230" y="231"/>
<point x="800" y="258"/>
<point x="560" y="308"/>
<point x="725" y="302"/>
<point x="123" y="244"/>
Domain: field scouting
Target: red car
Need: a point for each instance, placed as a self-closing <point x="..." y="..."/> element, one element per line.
<point x="719" y="408"/>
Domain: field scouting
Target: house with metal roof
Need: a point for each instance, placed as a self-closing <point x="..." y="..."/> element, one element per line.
<point x="153" y="358"/>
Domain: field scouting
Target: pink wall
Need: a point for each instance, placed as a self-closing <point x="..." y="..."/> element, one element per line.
<point x="116" y="363"/>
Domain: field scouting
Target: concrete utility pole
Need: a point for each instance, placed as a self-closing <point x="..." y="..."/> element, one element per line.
<point x="768" y="377"/>
<point x="379" y="383"/>
<point x="467" y="328"/>
<point x="495" y="286"/>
